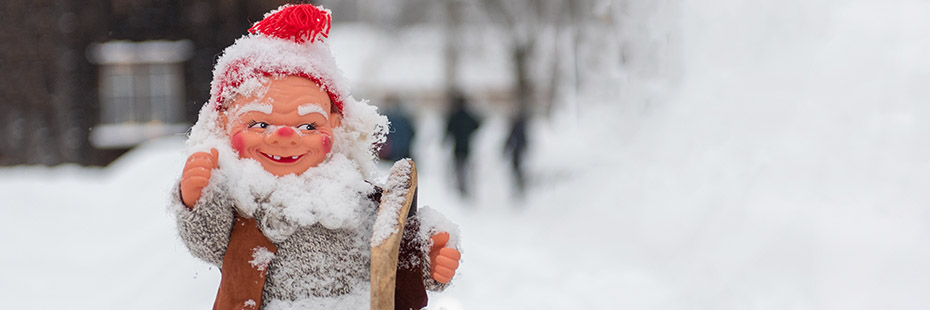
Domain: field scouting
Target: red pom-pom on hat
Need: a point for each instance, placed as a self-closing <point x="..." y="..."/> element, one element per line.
<point x="300" y="23"/>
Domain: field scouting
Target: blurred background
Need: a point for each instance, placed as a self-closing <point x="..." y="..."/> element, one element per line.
<point x="596" y="154"/>
<point x="84" y="81"/>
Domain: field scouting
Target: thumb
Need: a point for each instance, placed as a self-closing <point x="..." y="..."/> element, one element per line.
<point x="214" y="155"/>
<point x="439" y="241"/>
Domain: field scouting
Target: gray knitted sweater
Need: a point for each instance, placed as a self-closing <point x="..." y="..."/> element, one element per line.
<point x="312" y="262"/>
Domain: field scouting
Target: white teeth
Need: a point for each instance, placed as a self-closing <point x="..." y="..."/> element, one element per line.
<point x="276" y="157"/>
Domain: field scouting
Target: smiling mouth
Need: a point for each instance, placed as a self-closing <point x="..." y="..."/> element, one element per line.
<point x="282" y="159"/>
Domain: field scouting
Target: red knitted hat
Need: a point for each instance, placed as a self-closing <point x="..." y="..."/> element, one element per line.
<point x="288" y="41"/>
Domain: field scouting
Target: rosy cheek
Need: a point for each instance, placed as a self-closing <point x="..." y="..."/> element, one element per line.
<point x="327" y="143"/>
<point x="238" y="142"/>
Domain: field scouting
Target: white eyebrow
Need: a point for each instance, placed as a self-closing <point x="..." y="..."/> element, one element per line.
<point x="311" y="108"/>
<point x="254" y="107"/>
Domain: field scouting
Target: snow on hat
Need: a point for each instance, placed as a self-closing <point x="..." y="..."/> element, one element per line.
<point x="288" y="41"/>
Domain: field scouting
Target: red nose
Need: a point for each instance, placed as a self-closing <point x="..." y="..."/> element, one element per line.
<point x="285" y="132"/>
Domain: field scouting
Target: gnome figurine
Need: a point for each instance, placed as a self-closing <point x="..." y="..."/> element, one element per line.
<point x="276" y="191"/>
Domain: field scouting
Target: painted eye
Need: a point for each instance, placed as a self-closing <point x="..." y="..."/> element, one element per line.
<point x="306" y="127"/>
<point x="254" y="124"/>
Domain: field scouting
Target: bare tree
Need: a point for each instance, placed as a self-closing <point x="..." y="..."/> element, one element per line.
<point x="525" y="21"/>
<point x="544" y="37"/>
<point x="453" y="30"/>
<point x="588" y="46"/>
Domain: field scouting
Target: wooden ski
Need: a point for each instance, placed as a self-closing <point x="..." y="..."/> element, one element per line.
<point x="397" y="202"/>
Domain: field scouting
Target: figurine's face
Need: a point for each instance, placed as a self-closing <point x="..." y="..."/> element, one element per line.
<point x="287" y="130"/>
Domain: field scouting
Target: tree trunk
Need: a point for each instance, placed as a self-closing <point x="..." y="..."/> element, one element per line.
<point x="524" y="87"/>
<point x="452" y="44"/>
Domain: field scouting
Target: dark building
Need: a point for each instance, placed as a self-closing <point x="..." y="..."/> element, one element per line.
<point x="82" y="81"/>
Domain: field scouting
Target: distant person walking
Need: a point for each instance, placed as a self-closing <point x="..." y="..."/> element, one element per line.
<point x="400" y="136"/>
<point x="516" y="147"/>
<point x="461" y="124"/>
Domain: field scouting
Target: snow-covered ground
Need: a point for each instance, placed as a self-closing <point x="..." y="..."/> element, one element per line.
<point x="789" y="168"/>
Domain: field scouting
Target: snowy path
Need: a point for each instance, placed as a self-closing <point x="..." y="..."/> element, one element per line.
<point x="789" y="170"/>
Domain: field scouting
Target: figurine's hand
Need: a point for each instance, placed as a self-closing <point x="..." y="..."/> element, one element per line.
<point x="443" y="261"/>
<point x="196" y="176"/>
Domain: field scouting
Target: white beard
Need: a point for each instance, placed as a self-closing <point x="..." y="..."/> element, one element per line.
<point x="333" y="194"/>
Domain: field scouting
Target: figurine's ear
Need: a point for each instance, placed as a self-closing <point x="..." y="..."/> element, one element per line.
<point x="335" y="120"/>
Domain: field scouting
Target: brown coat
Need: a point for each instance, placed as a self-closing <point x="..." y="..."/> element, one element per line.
<point x="241" y="284"/>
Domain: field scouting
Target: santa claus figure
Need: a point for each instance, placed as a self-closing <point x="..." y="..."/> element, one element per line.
<point x="277" y="191"/>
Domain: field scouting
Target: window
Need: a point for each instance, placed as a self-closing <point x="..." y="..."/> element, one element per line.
<point x="141" y="90"/>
